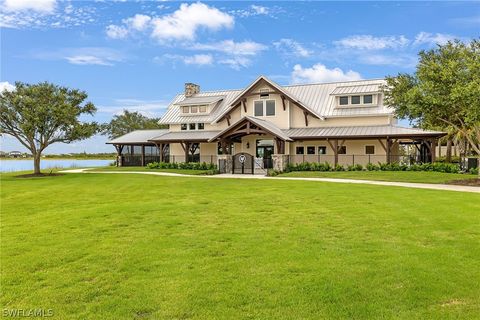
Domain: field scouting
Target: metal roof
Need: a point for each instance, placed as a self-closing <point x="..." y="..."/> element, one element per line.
<point x="199" y="100"/>
<point x="174" y="116"/>
<point x="359" y="131"/>
<point x="138" y="136"/>
<point x="197" y="135"/>
<point x="318" y="98"/>
<point x="369" y="88"/>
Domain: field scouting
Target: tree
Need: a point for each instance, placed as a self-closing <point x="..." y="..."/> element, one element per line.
<point x="38" y="115"/>
<point x="127" y="122"/>
<point x="443" y="93"/>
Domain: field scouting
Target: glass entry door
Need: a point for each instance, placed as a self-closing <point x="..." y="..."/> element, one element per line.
<point x="265" y="151"/>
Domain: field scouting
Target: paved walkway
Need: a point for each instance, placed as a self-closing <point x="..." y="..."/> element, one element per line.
<point x="447" y="187"/>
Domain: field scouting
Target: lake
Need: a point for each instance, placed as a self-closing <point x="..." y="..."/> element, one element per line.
<point x="25" y="165"/>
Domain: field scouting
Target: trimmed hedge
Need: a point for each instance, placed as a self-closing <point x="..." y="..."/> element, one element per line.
<point x="436" y="166"/>
<point x="182" y="165"/>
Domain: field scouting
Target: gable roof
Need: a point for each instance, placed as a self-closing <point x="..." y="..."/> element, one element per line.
<point x="277" y="87"/>
<point x="318" y="97"/>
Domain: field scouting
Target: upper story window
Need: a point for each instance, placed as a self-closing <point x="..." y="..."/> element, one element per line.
<point x="186" y="110"/>
<point x="263" y="108"/>
<point x="192" y="126"/>
<point x="356" y="100"/>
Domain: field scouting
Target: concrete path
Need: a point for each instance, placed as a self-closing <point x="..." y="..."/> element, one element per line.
<point x="447" y="187"/>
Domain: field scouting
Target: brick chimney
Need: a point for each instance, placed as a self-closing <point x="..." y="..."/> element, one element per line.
<point x="191" y="89"/>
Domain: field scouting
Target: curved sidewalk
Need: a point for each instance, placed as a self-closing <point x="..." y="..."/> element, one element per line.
<point x="446" y="187"/>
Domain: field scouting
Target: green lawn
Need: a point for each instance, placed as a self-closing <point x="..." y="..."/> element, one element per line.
<point x="400" y="176"/>
<point x="101" y="246"/>
<point x="179" y="171"/>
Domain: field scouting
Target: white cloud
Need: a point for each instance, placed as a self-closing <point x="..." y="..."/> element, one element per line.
<point x="197" y="59"/>
<point x="244" y="48"/>
<point x="138" y="22"/>
<point x="88" y="59"/>
<point x="116" y="32"/>
<point x="82" y="55"/>
<point x="43" y="6"/>
<point x="369" y="42"/>
<point x="6" y="86"/>
<point x="432" y="39"/>
<point x="259" y="9"/>
<point x="320" y="73"/>
<point x="184" y="23"/>
<point x="400" y="60"/>
<point x="291" y="47"/>
<point x="236" y="62"/>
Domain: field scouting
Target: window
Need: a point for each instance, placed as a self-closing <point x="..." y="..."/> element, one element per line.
<point x="344" y="101"/>
<point x="186" y="109"/>
<point x="191" y="126"/>
<point x="258" y="112"/>
<point x="342" y="150"/>
<point x="367" y="99"/>
<point x="322" y="150"/>
<point x="183" y="126"/>
<point x="220" y="151"/>
<point x="202" y="109"/>
<point x="264" y="96"/>
<point x="194" y="109"/>
<point x="310" y="150"/>
<point x="270" y="108"/>
<point x="300" y="150"/>
<point x="355" y="100"/>
<point x="369" y="149"/>
<point x="201" y="126"/>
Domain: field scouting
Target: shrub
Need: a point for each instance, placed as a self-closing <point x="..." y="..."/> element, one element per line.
<point x="372" y="167"/>
<point x="473" y="171"/>
<point x="355" y="167"/>
<point x="339" y="167"/>
<point x="183" y="165"/>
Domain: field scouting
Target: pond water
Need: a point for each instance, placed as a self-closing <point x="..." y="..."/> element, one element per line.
<point x="25" y="165"/>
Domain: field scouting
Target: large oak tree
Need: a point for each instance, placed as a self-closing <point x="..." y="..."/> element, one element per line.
<point x="38" y="115"/>
<point x="443" y="93"/>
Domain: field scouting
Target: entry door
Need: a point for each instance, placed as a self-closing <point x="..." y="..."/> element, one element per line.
<point x="265" y="152"/>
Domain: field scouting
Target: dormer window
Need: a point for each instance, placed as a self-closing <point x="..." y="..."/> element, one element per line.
<point x="365" y="100"/>
<point x="355" y="100"/>
<point x="194" y="109"/>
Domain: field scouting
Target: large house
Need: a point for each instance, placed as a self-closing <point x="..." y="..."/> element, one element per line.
<point x="266" y="125"/>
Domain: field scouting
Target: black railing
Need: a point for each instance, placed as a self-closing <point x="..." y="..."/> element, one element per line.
<point x="351" y="159"/>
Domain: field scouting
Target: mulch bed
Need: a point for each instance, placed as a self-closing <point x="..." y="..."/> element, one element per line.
<point x="466" y="182"/>
<point x="40" y="175"/>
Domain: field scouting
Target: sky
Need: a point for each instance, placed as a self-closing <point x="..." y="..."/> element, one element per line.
<point x="137" y="55"/>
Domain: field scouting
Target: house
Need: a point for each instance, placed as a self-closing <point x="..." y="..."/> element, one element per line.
<point x="16" y="154"/>
<point x="266" y="125"/>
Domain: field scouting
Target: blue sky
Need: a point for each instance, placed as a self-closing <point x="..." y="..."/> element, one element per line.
<point x="137" y="55"/>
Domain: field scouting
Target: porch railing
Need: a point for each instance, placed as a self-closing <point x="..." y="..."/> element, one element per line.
<point x="351" y="159"/>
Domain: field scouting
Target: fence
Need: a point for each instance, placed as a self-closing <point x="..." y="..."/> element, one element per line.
<point x="136" y="159"/>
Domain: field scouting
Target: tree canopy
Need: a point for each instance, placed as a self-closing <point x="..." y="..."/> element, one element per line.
<point x="444" y="91"/>
<point x="127" y="122"/>
<point x="38" y="115"/>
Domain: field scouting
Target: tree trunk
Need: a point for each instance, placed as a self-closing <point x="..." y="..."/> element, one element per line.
<point x="448" y="157"/>
<point x="36" y="163"/>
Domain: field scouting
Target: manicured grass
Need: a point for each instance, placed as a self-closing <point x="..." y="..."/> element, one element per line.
<point x="400" y="176"/>
<point x="102" y="246"/>
<point x="179" y="171"/>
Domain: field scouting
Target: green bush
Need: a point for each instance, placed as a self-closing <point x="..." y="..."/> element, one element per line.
<point x="355" y="167"/>
<point x="183" y="165"/>
<point x="372" y="167"/>
<point x="473" y="171"/>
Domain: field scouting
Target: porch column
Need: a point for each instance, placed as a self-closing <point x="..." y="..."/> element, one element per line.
<point x="143" y="155"/>
<point x="389" y="148"/>
<point x="434" y="146"/>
